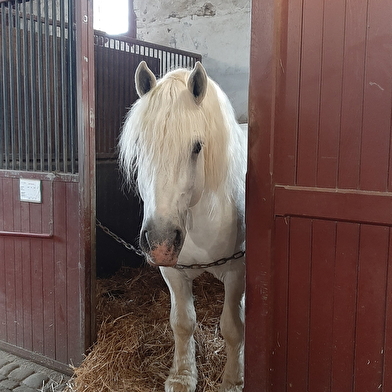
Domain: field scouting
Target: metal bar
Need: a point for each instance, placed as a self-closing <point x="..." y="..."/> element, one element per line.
<point x="26" y="78"/>
<point x="167" y="63"/>
<point x="47" y="88"/>
<point x="56" y="87"/>
<point x="159" y="56"/>
<point x="11" y="90"/>
<point x="33" y="89"/>
<point x="2" y="90"/>
<point x="23" y="94"/>
<point x="17" y="158"/>
<point x="104" y="82"/>
<point x="23" y="234"/>
<point x="64" y="102"/>
<point x="71" y="89"/>
<point x="40" y="73"/>
<point x="4" y="62"/>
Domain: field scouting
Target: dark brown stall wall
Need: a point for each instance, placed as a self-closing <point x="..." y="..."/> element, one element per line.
<point x="119" y="210"/>
<point x="320" y="177"/>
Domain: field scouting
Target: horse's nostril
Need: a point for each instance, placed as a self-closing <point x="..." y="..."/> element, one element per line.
<point x="177" y="239"/>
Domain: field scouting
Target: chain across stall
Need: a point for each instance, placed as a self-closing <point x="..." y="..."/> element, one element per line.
<point x="129" y="246"/>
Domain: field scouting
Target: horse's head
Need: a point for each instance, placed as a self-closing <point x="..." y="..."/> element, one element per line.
<point x="167" y="203"/>
<point x="164" y="142"/>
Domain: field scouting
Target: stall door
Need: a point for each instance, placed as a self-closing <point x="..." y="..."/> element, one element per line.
<point x="319" y="285"/>
<point x="47" y="190"/>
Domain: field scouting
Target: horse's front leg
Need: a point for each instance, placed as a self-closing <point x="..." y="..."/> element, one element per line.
<point x="232" y="326"/>
<point x="183" y="374"/>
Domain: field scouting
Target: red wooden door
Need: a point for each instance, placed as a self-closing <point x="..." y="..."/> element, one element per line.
<point x="319" y="288"/>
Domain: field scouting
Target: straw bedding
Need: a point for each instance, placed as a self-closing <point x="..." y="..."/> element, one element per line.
<point x="135" y="344"/>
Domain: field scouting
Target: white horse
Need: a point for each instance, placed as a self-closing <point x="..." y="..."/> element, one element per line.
<point x="184" y="149"/>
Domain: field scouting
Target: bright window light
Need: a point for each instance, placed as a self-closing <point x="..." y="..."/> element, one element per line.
<point x="111" y="16"/>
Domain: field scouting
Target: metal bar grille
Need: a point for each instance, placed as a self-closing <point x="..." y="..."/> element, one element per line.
<point x="37" y="68"/>
<point x="169" y="58"/>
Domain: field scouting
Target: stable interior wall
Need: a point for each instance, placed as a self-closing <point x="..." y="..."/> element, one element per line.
<point x="218" y="30"/>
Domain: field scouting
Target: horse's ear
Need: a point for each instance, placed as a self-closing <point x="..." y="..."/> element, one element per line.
<point x="144" y="79"/>
<point x="197" y="82"/>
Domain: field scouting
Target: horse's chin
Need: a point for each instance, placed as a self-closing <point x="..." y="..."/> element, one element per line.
<point x="166" y="263"/>
<point x="160" y="257"/>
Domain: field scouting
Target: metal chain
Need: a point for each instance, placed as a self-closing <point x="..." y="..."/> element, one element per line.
<point x="129" y="246"/>
<point x="221" y="261"/>
<point x="119" y="239"/>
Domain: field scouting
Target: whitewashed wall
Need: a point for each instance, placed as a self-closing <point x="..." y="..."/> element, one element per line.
<point x="219" y="30"/>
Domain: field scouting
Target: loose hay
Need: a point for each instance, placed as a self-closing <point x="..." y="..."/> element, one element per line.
<point x="135" y="344"/>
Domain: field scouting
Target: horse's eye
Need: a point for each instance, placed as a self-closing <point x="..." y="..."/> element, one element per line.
<point x="197" y="147"/>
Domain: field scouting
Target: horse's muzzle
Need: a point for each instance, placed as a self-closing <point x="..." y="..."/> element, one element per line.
<point x="162" y="247"/>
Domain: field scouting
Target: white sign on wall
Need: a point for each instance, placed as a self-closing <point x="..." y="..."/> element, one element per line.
<point x="30" y="190"/>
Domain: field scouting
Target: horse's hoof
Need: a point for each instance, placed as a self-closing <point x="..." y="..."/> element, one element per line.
<point x="180" y="383"/>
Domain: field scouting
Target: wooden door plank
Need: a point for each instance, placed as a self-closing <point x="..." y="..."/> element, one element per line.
<point x="298" y="304"/>
<point x="49" y="287"/>
<point x="78" y="302"/>
<point x="387" y="349"/>
<point x="16" y="210"/>
<point x="18" y="282"/>
<point x="8" y="204"/>
<point x="330" y="94"/>
<point x="259" y="217"/>
<point x="371" y="303"/>
<point x="10" y="292"/>
<point x="321" y="305"/>
<point x="375" y="159"/>
<point x="3" y="297"/>
<point x="2" y="195"/>
<point x="281" y="284"/>
<point x="345" y="299"/>
<point x="42" y="219"/>
<point x="286" y="133"/>
<point x="27" y="293"/>
<point x="309" y="109"/>
<point x="60" y="272"/>
<point x="37" y="277"/>
<point x="352" y="94"/>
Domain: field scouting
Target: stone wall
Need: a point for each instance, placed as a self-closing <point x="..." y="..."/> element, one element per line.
<point x="219" y="30"/>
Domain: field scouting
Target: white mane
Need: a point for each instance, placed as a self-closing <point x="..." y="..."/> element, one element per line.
<point x="162" y="126"/>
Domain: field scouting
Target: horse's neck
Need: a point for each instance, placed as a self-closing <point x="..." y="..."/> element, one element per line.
<point x="215" y="206"/>
<point x="223" y="221"/>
